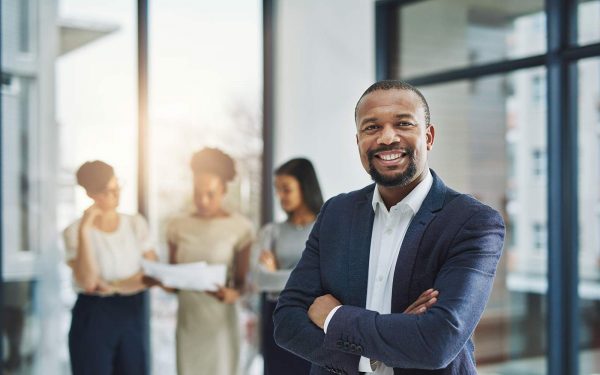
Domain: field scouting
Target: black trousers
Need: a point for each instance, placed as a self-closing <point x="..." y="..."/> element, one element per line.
<point x="107" y="336"/>
<point x="277" y="360"/>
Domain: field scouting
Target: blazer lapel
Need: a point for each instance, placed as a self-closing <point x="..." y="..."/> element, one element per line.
<point x="410" y="245"/>
<point x="359" y="249"/>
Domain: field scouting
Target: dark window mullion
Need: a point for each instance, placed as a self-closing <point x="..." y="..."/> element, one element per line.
<point x="143" y="129"/>
<point x="477" y="71"/>
<point x="562" y="192"/>
<point x="142" y="143"/>
<point x="6" y="79"/>
<point x="577" y="53"/>
<point x="386" y="14"/>
<point x="566" y="53"/>
<point x="269" y="13"/>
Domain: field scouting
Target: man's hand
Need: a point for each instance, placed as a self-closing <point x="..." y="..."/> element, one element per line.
<point x="427" y="299"/>
<point x="321" y="307"/>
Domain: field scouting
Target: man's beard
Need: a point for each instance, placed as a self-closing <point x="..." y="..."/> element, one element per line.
<point x="398" y="180"/>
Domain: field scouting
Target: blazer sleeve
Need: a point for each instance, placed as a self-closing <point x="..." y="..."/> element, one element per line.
<point x="431" y="340"/>
<point x="293" y="330"/>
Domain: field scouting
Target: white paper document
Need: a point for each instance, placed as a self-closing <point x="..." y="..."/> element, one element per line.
<point x="191" y="276"/>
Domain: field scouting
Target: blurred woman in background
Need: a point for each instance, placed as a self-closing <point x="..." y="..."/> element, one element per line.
<point x="105" y="248"/>
<point x="277" y="251"/>
<point x="208" y="337"/>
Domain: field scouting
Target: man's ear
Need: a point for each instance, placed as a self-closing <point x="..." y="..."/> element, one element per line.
<point x="430" y="134"/>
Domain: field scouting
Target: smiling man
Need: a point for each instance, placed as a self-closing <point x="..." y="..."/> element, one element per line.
<point x="346" y="306"/>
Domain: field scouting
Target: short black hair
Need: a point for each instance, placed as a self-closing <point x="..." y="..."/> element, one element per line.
<point x="393" y="84"/>
<point x="215" y="161"/>
<point x="303" y="171"/>
<point x="93" y="176"/>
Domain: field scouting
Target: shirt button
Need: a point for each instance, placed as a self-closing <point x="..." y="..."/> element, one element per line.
<point x="380" y="278"/>
<point x="388" y="231"/>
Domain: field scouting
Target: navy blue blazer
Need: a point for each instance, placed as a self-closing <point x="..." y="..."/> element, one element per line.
<point x="453" y="244"/>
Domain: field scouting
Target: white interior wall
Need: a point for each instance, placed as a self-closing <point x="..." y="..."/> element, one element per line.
<point x="325" y="59"/>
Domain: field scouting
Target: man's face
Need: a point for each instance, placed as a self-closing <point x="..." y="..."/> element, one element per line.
<point x="393" y="137"/>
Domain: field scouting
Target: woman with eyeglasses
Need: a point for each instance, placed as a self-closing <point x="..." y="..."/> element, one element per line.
<point x="104" y="248"/>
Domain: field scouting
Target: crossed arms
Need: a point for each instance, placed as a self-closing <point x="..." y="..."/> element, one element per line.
<point x="428" y="341"/>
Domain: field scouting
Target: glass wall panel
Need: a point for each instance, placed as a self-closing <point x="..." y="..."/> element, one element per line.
<point x="589" y="215"/>
<point x="28" y="166"/>
<point x="491" y="143"/>
<point x="96" y="79"/>
<point x="588" y="12"/>
<point x="205" y="90"/>
<point x="439" y="35"/>
<point x="96" y="114"/>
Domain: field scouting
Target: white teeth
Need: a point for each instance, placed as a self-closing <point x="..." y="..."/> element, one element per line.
<point x="390" y="156"/>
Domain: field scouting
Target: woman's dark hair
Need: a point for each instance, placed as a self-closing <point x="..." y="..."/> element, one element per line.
<point x="93" y="176"/>
<point x="303" y="171"/>
<point x="213" y="160"/>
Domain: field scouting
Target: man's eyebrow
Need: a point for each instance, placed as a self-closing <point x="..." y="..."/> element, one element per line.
<point x="397" y="116"/>
<point x="368" y="119"/>
<point x="404" y="115"/>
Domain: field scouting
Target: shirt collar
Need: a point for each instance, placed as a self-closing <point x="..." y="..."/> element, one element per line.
<point x="414" y="199"/>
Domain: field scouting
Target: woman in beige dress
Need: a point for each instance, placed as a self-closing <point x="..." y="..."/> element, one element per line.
<point x="208" y="338"/>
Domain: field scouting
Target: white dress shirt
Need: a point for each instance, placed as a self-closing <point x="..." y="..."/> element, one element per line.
<point x="389" y="228"/>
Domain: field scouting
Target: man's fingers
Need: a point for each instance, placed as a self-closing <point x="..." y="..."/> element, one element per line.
<point x="424" y="298"/>
<point x="425" y="301"/>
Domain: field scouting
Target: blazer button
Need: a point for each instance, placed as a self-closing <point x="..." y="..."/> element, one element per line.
<point x="339" y="344"/>
<point x="353" y="347"/>
<point x="347" y="345"/>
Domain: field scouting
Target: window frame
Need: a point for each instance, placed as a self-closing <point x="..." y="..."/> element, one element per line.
<point x="560" y="60"/>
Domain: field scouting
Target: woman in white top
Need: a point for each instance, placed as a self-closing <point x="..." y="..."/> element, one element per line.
<point x="105" y="249"/>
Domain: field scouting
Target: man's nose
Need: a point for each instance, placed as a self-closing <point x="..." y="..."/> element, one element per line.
<point x="388" y="136"/>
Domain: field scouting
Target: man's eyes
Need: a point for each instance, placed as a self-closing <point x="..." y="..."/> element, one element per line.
<point x="400" y="124"/>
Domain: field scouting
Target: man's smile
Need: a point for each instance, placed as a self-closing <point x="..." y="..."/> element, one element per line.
<point x="390" y="158"/>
